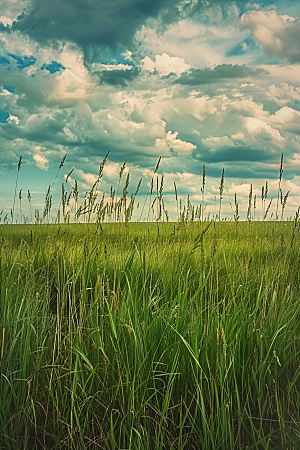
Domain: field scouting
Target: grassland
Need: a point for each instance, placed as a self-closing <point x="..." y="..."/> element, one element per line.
<point x="150" y="336"/>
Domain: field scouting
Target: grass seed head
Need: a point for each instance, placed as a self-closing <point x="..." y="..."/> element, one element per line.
<point x="20" y="163"/>
<point x="122" y="169"/>
<point x="157" y="165"/>
<point x="62" y="161"/>
<point x="203" y="178"/>
<point x="221" y="188"/>
<point x="281" y="167"/>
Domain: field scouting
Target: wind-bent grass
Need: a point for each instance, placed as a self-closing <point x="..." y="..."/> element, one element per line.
<point x="147" y="337"/>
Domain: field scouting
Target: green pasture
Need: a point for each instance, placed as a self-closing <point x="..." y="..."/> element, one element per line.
<point x="154" y="336"/>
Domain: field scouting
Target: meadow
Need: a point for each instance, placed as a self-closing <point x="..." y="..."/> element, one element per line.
<point x="151" y="335"/>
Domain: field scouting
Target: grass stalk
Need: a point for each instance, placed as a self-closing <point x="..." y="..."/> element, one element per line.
<point x="221" y="188"/>
<point x="279" y="185"/>
<point x="18" y="170"/>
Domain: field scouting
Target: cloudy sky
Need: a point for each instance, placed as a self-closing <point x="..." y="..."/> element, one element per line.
<point x="211" y="82"/>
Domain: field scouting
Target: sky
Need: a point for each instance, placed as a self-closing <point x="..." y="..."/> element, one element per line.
<point x="196" y="82"/>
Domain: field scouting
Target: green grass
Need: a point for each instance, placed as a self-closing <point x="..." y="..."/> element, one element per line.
<point x="150" y="336"/>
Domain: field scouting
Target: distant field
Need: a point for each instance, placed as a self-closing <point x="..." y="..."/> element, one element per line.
<point x="150" y="336"/>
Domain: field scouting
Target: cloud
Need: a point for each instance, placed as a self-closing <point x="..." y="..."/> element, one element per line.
<point x="165" y="64"/>
<point x="288" y="73"/>
<point x="239" y="189"/>
<point x="200" y="43"/>
<point x="237" y="154"/>
<point x="4" y="61"/>
<point x="95" y="25"/>
<point x="157" y="100"/>
<point x="41" y="161"/>
<point x="89" y="23"/>
<point x="287" y="119"/>
<point x="279" y="35"/>
<point x="283" y="94"/>
<point x="88" y="178"/>
<point x="260" y="128"/>
<point x="220" y="73"/>
<point x="118" y="77"/>
<point x="171" y="142"/>
<point x="218" y="142"/>
<point x="295" y="161"/>
<point x="10" y="10"/>
<point x="13" y="119"/>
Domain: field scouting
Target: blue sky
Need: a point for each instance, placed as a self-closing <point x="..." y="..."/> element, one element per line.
<point x="196" y="82"/>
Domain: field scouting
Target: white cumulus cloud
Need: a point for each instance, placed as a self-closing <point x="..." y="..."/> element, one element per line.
<point x="283" y="94"/>
<point x="173" y="143"/>
<point x="260" y="127"/>
<point x="41" y="161"/>
<point x="279" y="35"/>
<point x="165" y="64"/>
<point x="287" y="119"/>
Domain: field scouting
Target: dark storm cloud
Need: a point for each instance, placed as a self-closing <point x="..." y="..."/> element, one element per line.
<point x="93" y="23"/>
<point x="249" y="172"/>
<point x="118" y="77"/>
<point x="243" y="161"/>
<point x="90" y="22"/>
<point x="3" y="28"/>
<point x="42" y="131"/>
<point x="237" y="154"/>
<point x="196" y="77"/>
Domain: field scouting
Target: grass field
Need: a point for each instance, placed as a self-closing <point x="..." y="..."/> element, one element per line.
<point x="150" y="336"/>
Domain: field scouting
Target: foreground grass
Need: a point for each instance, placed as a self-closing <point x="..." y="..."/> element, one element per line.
<point x="150" y="337"/>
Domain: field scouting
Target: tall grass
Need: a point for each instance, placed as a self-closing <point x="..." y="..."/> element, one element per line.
<point x="13" y="207"/>
<point x="126" y="337"/>
<point x="141" y="336"/>
<point x="119" y="207"/>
